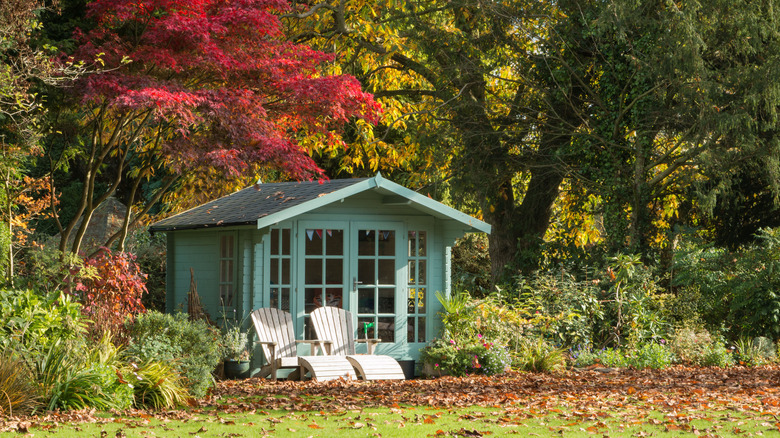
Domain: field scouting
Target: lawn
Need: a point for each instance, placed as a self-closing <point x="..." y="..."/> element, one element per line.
<point x="673" y="402"/>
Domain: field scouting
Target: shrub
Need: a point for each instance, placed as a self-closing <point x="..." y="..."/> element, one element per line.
<point x="614" y="306"/>
<point x="634" y="312"/>
<point x="44" y="336"/>
<point x="568" y="309"/>
<point x="71" y="379"/>
<point x="735" y="289"/>
<point x="650" y="355"/>
<point x="766" y="347"/>
<point x="106" y="362"/>
<point x="688" y="344"/>
<point x="612" y="358"/>
<point x="716" y="355"/>
<point x="442" y="356"/>
<point x="192" y="346"/>
<point x="36" y="321"/>
<point x="466" y="320"/>
<point x="113" y="293"/>
<point x="582" y="357"/>
<point x="458" y="359"/>
<point x="495" y="360"/>
<point x="695" y="346"/>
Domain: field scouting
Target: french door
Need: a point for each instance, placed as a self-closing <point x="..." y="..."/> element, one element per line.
<point x="357" y="266"/>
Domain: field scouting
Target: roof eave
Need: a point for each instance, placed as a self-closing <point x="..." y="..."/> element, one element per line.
<point x="433" y="207"/>
<point x="164" y="229"/>
<point x="320" y="201"/>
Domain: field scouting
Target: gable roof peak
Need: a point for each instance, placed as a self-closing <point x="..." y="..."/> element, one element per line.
<point x="267" y="204"/>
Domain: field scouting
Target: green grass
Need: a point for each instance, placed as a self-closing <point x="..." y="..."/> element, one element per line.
<point x="409" y="421"/>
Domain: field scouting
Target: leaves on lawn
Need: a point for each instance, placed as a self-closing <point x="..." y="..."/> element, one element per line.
<point x="680" y="394"/>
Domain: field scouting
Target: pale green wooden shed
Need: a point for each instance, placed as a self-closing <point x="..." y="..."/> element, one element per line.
<point x="368" y="245"/>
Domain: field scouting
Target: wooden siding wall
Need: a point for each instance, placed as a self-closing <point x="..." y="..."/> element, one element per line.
<point x="199" y="250"/>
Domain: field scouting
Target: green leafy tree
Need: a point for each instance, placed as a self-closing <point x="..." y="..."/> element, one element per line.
<point x="26" y="66"/>
<point x="458" y="78"/>
<point x="626" y="104"/>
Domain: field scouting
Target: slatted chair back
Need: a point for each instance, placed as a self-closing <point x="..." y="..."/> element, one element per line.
<point x="274" y="325"/>
<point x="335" y="325"/>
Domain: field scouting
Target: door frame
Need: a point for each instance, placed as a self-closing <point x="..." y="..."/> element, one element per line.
<point x="349" y="268"/>
<point x="300" y="275"/>
<point x="400" y="257"/>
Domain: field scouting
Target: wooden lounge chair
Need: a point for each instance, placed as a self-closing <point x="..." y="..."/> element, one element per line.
<point x="335" y="325"/>
<point x="276" y="336"/>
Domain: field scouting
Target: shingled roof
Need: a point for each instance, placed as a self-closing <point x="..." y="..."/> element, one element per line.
<point x="246" y="206"/>
<point x="263" y="205"/>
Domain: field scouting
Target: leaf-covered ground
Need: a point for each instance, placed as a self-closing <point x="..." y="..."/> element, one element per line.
<point x="603" y="402"/>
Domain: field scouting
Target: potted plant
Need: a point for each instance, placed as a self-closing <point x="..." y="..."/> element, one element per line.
<point x="236" y="354"/>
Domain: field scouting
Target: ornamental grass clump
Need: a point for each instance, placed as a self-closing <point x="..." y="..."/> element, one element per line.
<point x="537" y="355"/>
<point x="158" y="386"/>
<point x="754" y="352"/>
<point x="18" y="393"/>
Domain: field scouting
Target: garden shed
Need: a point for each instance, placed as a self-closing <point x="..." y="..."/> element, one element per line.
<point x="367" y="245"/>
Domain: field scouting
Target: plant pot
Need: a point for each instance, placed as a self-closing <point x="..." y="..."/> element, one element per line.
<point x="236" y="369"/>
<point x="408" y="368"/>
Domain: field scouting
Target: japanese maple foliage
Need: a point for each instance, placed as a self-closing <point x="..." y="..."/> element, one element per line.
<point x="212" y="83"/>
<point x="110" y="291"/>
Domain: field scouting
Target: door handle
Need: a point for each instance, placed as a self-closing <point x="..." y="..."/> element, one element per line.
<point x="355" y="283"/>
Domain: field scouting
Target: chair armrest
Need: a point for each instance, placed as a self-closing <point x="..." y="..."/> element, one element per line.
<point x="324" y="345"/>
<point x="370" y="343"/>
<point x="271" y="350"/>
<point x="312" y="341"/>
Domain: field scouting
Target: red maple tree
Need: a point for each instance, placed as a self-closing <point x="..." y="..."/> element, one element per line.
<point x="189" y="84"/>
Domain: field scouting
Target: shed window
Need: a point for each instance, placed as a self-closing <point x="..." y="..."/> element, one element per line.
<point x="280" y="262"/>
<point x="227" y="262"/>
<point x="418" y="286"/>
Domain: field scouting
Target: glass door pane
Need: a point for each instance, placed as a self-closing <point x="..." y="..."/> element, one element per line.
<point x="324" y="269"/>
<point x="375" y="282"/>
<point x="417" y="263"/>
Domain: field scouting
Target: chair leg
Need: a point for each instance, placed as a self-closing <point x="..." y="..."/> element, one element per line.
<point x="265" y="371"/>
